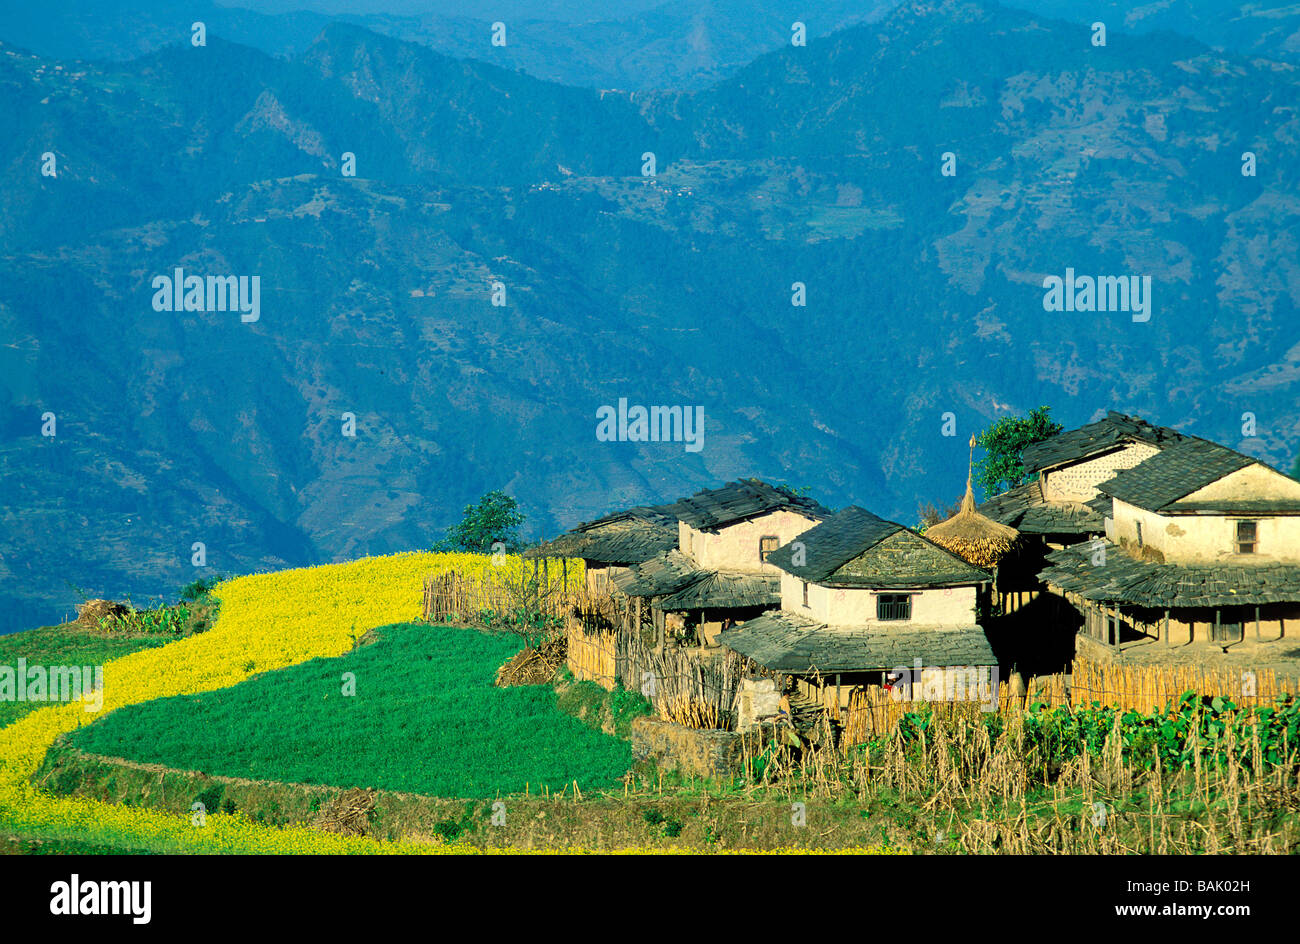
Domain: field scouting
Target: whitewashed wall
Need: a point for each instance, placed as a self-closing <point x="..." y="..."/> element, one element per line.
<point x="735" y="547"/>
<point x="947" y="606"/>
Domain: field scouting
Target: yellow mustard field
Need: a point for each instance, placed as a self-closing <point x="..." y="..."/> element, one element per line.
<point x="266" y="622"/>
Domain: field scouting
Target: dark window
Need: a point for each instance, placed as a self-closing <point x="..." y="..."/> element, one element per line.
<point x="805" y="593"/>
<point x="766" y="545"/>
<point x="1139" y="530"/>
<point x="1245" y="537"/>
<point x="893" y="606"/>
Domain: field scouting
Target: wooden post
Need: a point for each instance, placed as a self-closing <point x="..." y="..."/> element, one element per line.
<point x="1257" y="621"/>
<point x="1167" y="642"/>
<point x="564" y="569"/>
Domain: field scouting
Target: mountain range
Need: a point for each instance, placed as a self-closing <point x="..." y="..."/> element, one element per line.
<point x="820" y="165"/>
<point x="635" y="45"/>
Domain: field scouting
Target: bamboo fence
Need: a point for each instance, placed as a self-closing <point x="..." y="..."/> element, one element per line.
<point x="592" y="656"/>
<point x="461" y="598"/>
<point x="684" y="686"/>
<point x="1148" y="687"/>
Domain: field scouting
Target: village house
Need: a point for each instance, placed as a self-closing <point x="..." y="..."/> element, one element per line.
<point x="613" y="543"/>
<point x="860" y="597"/>
<point x="719" y="573"/>
<point x="1134" y="544"/>
<point x="1057" y="506"/>
<point x="1200" y="560"/>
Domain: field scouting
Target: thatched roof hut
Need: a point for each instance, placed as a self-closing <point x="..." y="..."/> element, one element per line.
<point x="972" y="536"/>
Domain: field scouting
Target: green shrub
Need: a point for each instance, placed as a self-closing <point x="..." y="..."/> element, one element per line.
<point x="197" y="590"/>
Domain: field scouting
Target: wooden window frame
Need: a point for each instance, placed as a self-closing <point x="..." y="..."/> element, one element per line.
<point x="776" y="542"/>
<point x="1237" y="542"/>
<point x="884" y="600"/>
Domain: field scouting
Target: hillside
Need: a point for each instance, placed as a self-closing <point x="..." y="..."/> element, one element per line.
<point x="640" y="45"/>
<point x="817" y="165"/>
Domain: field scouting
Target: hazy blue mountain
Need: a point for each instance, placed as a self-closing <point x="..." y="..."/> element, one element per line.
<point x="679" y="44"/>
<point x="818" y="165"/>
<point x="634" y="45"/>
<point x="683" y="44"/>
<point x="1270" y="29"/>
<point x="577" y="11"/>
<point x="125" y="29"/>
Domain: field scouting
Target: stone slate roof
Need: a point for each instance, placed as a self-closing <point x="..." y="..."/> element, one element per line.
<point x="1075" y="444"/>
<point x="735" y="501"/>
<point x="830" y="545"/>
<point x="1010" y="506"/>
<point x="662" y="574"/>
<point x="672" y="577"/>
<point x="786" y="642"/>
<point x="625" y="537"/>
<point x="1177" y="471"/>
<point x="1025" y="509"/>
<point x="855" y="548"/>
<point x="1064" y="517"/>
<point x="1124" y="579"/>
<point x="1260" y="506"/>
<point x="726" y="590"/>
<point x="1101" y="505"/>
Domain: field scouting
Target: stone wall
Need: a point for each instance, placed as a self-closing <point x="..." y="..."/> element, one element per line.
<point x="757" y="699"/>
<point x="1078" y="481"/>
<point x="691" y="752"/>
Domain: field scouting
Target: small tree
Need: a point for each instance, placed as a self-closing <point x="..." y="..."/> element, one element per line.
<point x="531" y="605"/>
<point x="929" y="514"/>
<point x="494" y="518"/>
<point x="1003" y="442"/>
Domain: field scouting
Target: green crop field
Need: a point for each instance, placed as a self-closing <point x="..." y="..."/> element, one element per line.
<point x="63" y="645"/>
<point x="425" y="718"/>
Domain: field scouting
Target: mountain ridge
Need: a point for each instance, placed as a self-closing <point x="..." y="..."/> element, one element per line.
<point x="924" y="292"/>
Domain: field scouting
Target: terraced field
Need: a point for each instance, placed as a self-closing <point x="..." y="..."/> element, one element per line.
<point x="420" y="715"/>
<point x="267" y="622"/>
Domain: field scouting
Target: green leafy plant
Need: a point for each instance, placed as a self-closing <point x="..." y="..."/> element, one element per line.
<point x="199" y="589"/>
<point x="448" y="829"/>
<point x="1003" y="442"/>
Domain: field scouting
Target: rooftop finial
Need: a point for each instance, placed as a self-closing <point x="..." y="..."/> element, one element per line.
<point x="968" y="500"/>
